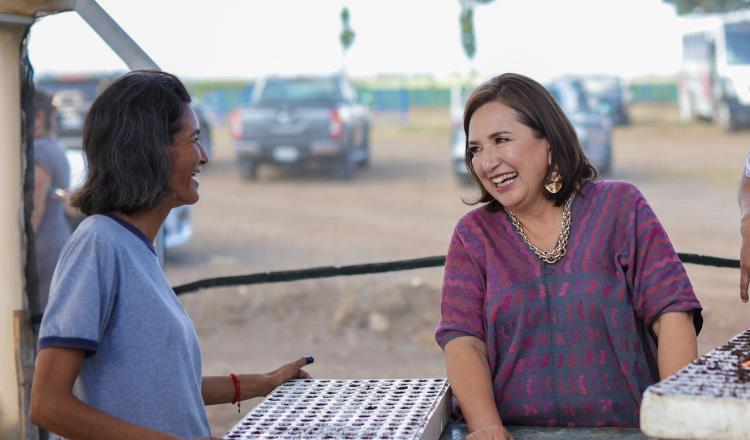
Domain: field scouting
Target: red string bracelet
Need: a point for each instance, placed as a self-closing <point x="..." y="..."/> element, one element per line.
<point x="236" y="382"/>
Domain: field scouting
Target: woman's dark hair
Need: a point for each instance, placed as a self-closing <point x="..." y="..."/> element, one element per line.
<point x="126" y="140"/>
<point x="537" y="109"/>
<point x="43" y="104"/>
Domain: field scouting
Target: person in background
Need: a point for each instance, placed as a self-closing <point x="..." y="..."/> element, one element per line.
<point x="563" y="298"/>
<point x="743" y="196"/>
<point x="51" y="176"/>
<point x="118" y="354"/>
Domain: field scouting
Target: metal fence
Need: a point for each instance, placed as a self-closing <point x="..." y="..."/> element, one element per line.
<point x="220" y="99"/>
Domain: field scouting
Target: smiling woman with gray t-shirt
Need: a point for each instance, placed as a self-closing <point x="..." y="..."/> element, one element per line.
<point x="119" y="356"/>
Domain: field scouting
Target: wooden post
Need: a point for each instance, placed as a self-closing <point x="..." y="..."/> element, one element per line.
<point x="15" y="17"/>
<point x="11" y="245"/>
<point x="24" y="342"/>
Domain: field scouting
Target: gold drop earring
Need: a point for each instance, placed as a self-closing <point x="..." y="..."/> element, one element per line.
<point x="554" y="183"/>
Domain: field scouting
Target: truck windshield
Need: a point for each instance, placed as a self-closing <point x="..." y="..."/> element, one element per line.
<point x="85" y="89"/>
<point x="738" y="42"/>
<point x="570" y="98"/>
<point x="600" y="85"/>
<point x="299" y="90"/>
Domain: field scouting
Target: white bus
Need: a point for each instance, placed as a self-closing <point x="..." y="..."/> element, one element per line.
<point x="714" y="81"/>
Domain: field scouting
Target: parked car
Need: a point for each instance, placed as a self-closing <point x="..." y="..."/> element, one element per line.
<point x="72" y="96"/>
<point x="302" y="121"/>
<point x="715" y="74"/>
<point x="593" y="128"/>
<point x="610" y="96"/>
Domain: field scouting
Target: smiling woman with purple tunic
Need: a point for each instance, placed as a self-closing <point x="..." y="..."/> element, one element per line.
<point x="563" y="298"/>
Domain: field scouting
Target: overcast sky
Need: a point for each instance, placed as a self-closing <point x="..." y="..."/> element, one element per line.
<point x="247" y="38"/>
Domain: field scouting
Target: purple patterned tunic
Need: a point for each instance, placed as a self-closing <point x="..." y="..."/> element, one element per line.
<point x="569" y="344"/>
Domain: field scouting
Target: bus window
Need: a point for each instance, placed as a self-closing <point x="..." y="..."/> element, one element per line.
<point x="738" y="42"/>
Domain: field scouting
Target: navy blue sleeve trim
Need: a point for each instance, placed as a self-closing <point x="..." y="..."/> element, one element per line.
<point x="87" y="345"/>
<point x="697" y="320"/>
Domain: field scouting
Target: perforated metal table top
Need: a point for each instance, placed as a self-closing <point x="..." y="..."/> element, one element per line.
<point x="350" y="409"/>
<point x="709" y="398"/>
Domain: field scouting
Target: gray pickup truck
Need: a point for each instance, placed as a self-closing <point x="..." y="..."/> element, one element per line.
<point x="302" y="121"/>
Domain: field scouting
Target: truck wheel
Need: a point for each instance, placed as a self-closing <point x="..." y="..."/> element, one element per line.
<point x="725" y="118"/>
<point x="686" y="108"/>
<point x="249" y="170"/>
<point x="606" y="166"/>
<point x="345" y="166"/>
<point x="364" y="162"/>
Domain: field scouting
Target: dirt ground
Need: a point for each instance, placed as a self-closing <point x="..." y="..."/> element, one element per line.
<point x="405" y="206"/>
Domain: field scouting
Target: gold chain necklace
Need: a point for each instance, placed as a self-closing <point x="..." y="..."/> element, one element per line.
<point x="553" y="256"/>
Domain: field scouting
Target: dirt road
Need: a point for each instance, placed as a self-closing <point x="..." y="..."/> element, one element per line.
<point x="406" y="206"/>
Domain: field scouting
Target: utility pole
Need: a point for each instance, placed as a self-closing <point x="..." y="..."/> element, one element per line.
<point x="346" y="37"/>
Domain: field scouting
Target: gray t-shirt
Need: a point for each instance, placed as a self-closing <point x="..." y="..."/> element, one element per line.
<point x="109" y="297"/>
<point x="54" y="229"/>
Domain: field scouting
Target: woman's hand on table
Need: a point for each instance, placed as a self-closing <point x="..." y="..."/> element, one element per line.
<point x="494" y="432"/>
<point x="292" y="370"/>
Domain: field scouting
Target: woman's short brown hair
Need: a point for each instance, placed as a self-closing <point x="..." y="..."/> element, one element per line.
<point x="537" y="109"/>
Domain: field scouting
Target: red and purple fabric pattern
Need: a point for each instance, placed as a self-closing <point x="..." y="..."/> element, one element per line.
<point x="568" y="344"/>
